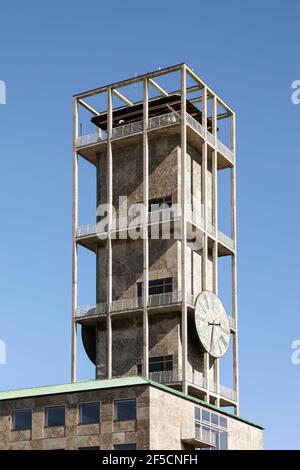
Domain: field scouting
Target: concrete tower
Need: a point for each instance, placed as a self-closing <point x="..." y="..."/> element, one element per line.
<point x="162" y="342"/>
<point x="159" y="143"/>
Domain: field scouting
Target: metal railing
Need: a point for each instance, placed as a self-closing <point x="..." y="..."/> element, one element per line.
<point x="163" y="376"/>
<point x="121" y="305"/>
<point x="195" y="378"/>
<point x="126" y="304"/>
<point x="154" y="122"/>
<point x="92" y="138"/>
<point x="227" y="393"/>
<point x="167" y="298"/>
<point x="164" y="120"/>
<point x="85" y="311"/>
<point x="127" y="129"/>
<point x="225" y="239"/>
<point x="225" y="150"/>
<point x="86" y="230"/>
<point x="121" y="223"/>
<point x="195" y="125"/>
<point x="156" y="300"/>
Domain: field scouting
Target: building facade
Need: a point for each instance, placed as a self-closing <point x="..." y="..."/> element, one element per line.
<point x="118" y="414"/>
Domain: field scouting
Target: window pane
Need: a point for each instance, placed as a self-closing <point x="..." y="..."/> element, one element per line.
<point x="215" y="438"/>
<point x="223" y="422"/>
<point x="160" y="286"/>
<point x="125" y="447"/>
<point x="156" y="359"/>
<point x="155" y="366"/>
<point x="214" y="419"/>
<point x="197" y="413"/>
<point x="205" y="415"/>
<point x="22" y="419"/>
<point x="139" y="289"/>
<point x="89" y="413"/>
<point x="223" y="441"/>
<point x="55" y="416"/>
<point x="160" y="363"/>
<point x="125" y="410"/>
<point x="168" y="365"/>
<point x="154" y="290"/>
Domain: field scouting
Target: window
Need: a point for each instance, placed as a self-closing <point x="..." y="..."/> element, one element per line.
<point x="157" y="363"/>
<point x="212" y="427"/>
<point x="157" y="286"/>
<point x="22" y="420"/>
<point x="55" y="416"/>
<point x="125" y="410"/>
<point x="89" y="448"/>
<point x="159" y="203"/>
<point x="89" y="413"/>
<point x="125" y="447"/>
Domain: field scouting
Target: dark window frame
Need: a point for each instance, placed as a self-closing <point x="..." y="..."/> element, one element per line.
<point x="123" y="400"/>
<point x="166" y="359"/>
<point x="20" y="410"/>
<point x="80" y="405"/>
<point x="165" y="283"/>
<point x="46" y="409"/>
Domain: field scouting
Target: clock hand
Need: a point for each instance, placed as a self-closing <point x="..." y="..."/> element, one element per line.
<point x="212" y="333"/>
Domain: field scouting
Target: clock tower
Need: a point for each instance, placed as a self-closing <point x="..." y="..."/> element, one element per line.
<point x="162" y="146"/>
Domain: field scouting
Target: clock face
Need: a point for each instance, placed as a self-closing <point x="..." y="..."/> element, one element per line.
<point x="212" y="324"/>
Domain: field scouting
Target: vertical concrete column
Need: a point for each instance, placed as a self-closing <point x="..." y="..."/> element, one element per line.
<point x="98" y="372"/>
<point x="215" y="197"/>
<point x="183" y="233"/>
<point x="74" y="242"/>
<point x="109" y="242"/>
<point x="234" y="263"/>
<point x="216" y="365"/>
<point x="204" y="206"/>
<point x="145" y="233"/>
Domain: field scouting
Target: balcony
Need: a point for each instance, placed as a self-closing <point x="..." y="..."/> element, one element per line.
<point x="225" y="240"/>
<point x="129" y="129"/>
<point x="227" y="394"/>
<point x="125" y="305"/>
<point x="195" y="378"/>
<point x="90" y="235"/>
<point x="156" y="122"/>
<point x="221" y="148"/>
<point x="198" y="437"/>
<point x="136" y="303"/>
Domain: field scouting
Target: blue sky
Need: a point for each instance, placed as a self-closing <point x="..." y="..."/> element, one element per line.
<point x="248" y="52"/>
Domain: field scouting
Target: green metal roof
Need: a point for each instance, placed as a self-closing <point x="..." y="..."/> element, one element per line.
<point x="71" y="387"/>
<point x="106" y="384"/>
